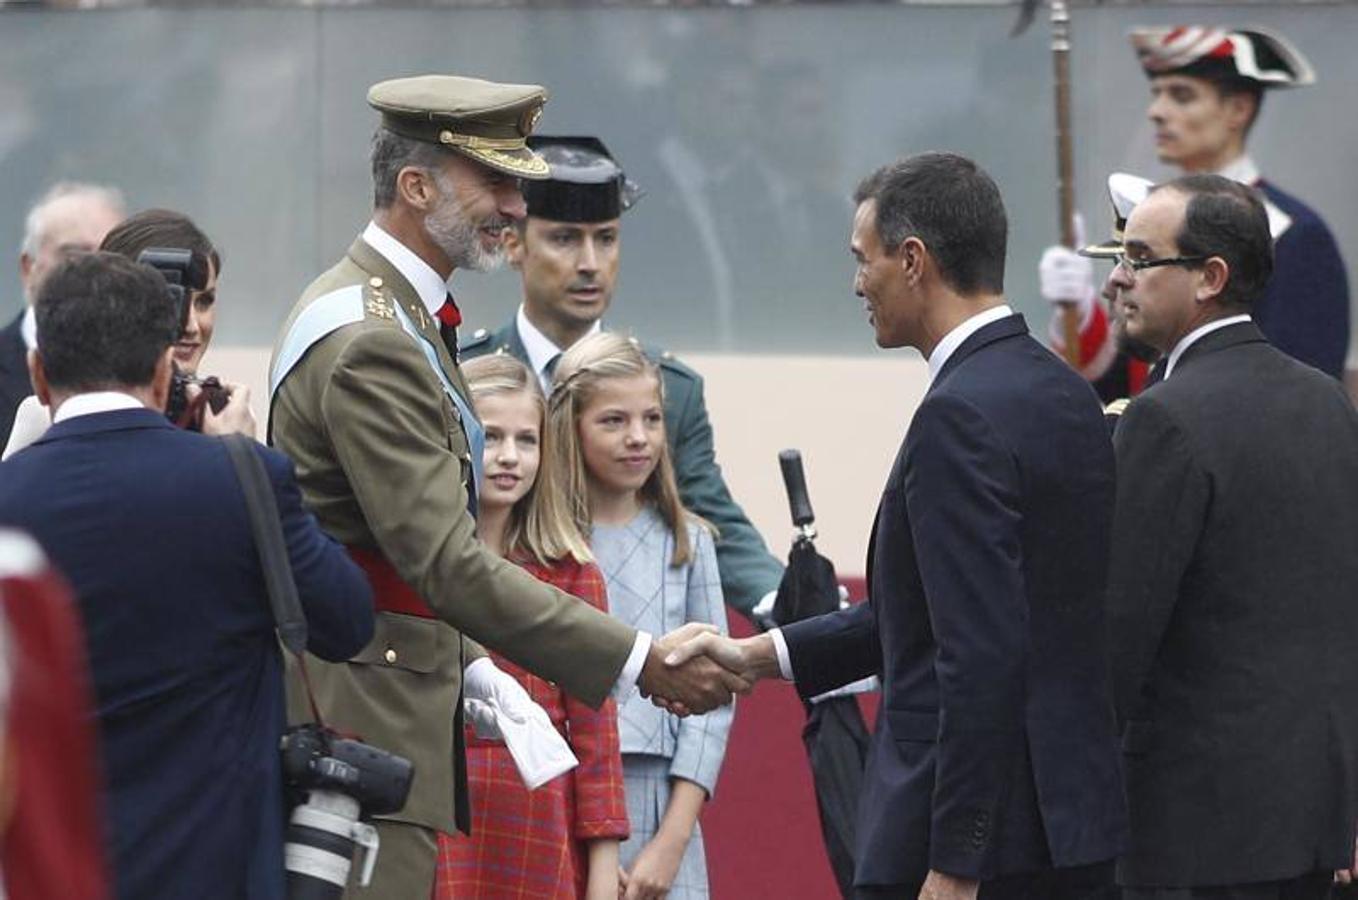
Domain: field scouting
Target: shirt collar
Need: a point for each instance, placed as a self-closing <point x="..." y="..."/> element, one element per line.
<point x="953" y="339"/>
<point x="95" y="402"/>
<point x="540" y="349"/>
<point x="28" y="328"/>
<point x="1241" y="169"/>
<point x="1198" y="334"/>
<point x="432" y="289"/>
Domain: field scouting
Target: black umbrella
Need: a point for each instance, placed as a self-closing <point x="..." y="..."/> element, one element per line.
<point x="835" y="735"/>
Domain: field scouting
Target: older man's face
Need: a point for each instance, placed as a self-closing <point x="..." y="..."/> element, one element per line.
<point x="1158" y="305"/>
<point x="892" y="307"/>
<point x="475" y="206"/>
<point x="72" y="224"/>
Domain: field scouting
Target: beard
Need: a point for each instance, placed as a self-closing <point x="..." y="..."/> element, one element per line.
<point x="458" y="236"/>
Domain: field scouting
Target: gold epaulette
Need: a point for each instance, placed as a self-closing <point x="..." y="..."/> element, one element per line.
<point x="1117" y="407"/>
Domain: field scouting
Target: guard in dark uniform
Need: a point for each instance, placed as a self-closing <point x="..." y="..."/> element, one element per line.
<point x="567" y="251"/>
<point x="1207" y="87"/>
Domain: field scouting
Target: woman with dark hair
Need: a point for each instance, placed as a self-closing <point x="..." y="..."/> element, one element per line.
<point x="164" y="228"/>
<point x="169" y="230"/>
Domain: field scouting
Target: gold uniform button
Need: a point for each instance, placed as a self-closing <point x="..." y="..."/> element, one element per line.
<point x="375" y="282"/>
<point x="390" y="656"/>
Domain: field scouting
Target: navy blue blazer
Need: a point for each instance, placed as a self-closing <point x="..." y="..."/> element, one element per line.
<point x="149" y="525"/>
<point x="995" y="749"/>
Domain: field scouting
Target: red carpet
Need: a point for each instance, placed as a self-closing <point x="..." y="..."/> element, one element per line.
<point x="762" y="829"/>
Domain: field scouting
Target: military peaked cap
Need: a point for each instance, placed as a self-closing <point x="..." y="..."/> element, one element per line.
<point x="485" y="121"/>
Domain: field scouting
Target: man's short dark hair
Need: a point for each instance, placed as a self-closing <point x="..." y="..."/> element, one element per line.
<point x="1227" y="219"/>
<point x="165" y="228"/>
<point x="103" y="323"/>
<point x="953" y="206"/>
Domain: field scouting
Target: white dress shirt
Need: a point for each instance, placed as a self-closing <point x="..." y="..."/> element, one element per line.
<point x="1198" y="334"/>
<point x="937" y="359"/>
<point x="541" y="349"/>
<point x="433" y="291"/>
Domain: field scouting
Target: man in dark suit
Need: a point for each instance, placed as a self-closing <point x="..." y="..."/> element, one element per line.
<point x="993" y="767"/>
<point x="69" y="218"/>
<point x="149" y="525"/>
<point x="1233" y="580"/>
<point x="568" y="249"/>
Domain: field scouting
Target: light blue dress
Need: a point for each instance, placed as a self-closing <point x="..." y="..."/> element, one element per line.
<point x="646" y="592"/>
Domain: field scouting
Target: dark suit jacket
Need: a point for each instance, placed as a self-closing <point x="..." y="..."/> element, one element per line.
<point x="748" y="570"/>
<point x="994" y="751"/>
<point x="1233" y="609"/>
<point x="149" y="525"/>
<point x="14" y="383"/>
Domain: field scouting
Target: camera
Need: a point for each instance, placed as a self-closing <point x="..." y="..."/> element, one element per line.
<point x="344" y="782"/>
<point x="182" y="274"/>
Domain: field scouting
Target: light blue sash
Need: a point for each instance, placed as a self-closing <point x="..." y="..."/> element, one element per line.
<point x="471" y="425"/>
<point x="333" y="311"/>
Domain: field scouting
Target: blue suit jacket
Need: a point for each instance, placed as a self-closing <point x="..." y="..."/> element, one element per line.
<point x="995" y="749"/>
<point x="149" y="525"/>
<point x="1304" y="312"/>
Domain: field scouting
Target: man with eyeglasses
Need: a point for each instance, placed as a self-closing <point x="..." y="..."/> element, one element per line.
<point x="1207" y="87"/>
<point x="1232" y="577"/>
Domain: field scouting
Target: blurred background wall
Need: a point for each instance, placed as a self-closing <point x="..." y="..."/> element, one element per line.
<point x="748" y="126"/>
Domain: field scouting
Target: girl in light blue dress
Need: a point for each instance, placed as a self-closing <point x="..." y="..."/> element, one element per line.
<point x="660" y="566"/>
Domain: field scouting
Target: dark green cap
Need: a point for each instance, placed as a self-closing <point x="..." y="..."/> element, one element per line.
<point x="483" y="120"/>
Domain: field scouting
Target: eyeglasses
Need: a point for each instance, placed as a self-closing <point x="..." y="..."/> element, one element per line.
<point x="1133" y="266"/>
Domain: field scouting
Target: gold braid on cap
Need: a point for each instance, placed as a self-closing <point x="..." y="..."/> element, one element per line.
<point x="474" y="142"/>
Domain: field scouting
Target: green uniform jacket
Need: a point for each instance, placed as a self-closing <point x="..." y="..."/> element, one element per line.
<point x="748" y="570"/>
<point x="383" y="462"/>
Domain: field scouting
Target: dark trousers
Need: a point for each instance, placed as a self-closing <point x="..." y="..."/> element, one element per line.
<point x="1094" y="882"/>
<point x="1311" y="886"/>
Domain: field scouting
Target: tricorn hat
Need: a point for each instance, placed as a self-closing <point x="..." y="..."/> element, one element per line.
<point x="483" y="120"/>
<point x="1255" y="54"/>
<point x="586" y="183"/>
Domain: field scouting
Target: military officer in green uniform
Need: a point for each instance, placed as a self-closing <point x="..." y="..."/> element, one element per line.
<point x="567" y="251"/>
<point x="367" y="399"/>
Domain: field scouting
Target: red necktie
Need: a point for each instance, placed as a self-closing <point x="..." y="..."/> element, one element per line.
<point x="449" y="314"/>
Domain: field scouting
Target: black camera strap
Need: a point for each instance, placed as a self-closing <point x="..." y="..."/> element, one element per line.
<point x="289" y="618"/>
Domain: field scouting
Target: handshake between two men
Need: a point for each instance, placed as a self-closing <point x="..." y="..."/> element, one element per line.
<point x="695" y="668"/>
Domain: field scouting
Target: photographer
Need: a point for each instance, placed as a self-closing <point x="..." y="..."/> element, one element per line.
<point x="163" y="228"/>
<point x="149" y="524"/>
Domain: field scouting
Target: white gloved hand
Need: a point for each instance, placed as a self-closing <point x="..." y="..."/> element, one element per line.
<point x="1067" y="277"/>
<point x="499" y="707"/>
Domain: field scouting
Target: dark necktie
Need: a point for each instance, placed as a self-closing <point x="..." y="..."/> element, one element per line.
<point x="550" y="369"/>
<point x="449" y="318"/>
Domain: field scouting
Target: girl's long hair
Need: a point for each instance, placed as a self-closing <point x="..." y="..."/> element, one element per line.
<point x="540" y="524"/>
<point x="579" y="372"/>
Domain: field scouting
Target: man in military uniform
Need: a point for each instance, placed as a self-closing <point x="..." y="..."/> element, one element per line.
<point x="367" y="398"/>
<point x="568" y="250"/>
<point x="1207" y="86"/>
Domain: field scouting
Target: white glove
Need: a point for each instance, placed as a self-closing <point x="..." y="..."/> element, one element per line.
<point x="31" y="421"/>
<point x="500" y="708"/>
<point x="1067" y="277"/>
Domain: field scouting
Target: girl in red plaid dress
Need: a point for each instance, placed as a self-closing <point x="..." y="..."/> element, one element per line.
<point x="561" y="840"/>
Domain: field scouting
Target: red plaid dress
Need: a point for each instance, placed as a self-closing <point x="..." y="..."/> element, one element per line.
<point x="532" y="843"/>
